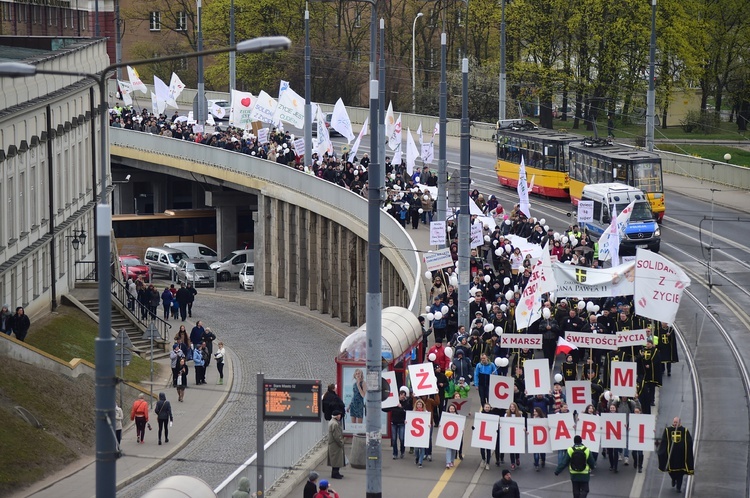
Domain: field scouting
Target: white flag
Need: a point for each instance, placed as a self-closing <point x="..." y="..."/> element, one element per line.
<point x="390" y="121"/>
<point x="264" y="108"/>
<point x="397" y="156"/>
<point x="135" y="80"/>
<point x="624" y="217"/>
<point x="659" y="284"/>
<point x="436" y="131"/>
<point x="428" y="152"/>
<point x="412" y="153"/>
<point x="394" y="139"/>
<point x="162" y="93"/>
<point x="240" y="110"/>
<point x="210" y="119"/>
<point x="362" y="133"/>
<point x="125" y="90"/>
<point x="523" y="190"/>
<point x="290" y="109"/>
<point x="216" y="110"/>
<point x="154" y="104"/>
<point x="340" y="121"/>
<point x="610" y="243"/>
<point x="324" y="139"/>
<point x="175" y="86"/>
<point x="419" y="134"/>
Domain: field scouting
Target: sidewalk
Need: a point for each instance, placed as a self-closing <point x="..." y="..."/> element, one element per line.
<point x="721" y="195"/>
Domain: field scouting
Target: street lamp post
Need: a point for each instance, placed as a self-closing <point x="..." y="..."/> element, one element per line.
<point x="464" y="218"/>
<point x="414" y="64"/>
<point x="106" y="446"/>
<point x="651" y="95"/>
<point x="501" y="113"/>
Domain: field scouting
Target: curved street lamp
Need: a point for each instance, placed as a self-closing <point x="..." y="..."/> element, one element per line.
<point x="106" y="445"/>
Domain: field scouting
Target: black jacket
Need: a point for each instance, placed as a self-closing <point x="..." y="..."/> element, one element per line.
<point x="506" y="489"/>
<point x="332" y="402"/>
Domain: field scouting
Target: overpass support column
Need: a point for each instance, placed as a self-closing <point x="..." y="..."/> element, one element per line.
<point x="226" y="229"/>
<point x="304" y="236"/>
<point x="336" y="263"/>
<point x="291" y="276"/>
<point x="313" y="258"/>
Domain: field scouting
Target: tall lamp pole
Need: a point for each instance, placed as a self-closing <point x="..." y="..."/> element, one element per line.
<point x="414" y="64"/>
<point x="651" y="95"/>
<point x="308" y="91"/>
<point x="464" y="231"/>
<point x="106" y="446"/>
<point x="201" y="111"/>
<point x="502" y="90"/>
<point x="442" y="204"/>
<point x="232" y="55"/>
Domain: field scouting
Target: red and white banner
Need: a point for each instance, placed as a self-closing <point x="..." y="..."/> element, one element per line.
<point x="537" y="437"/>
<point x="588" y="429"/>
<point x="485" y="431"/>
<point x="585" y="340"/>
<point x="614" y="430"/>
<point x="392" y="399"/>
<point x="542" y="280"/>
<point x="417" y="434"/>
<point x="450" y="431"/>
<point x="536" y="375"/>
<point x="528" y="341"/>
<point x="578" y="395"/>
<point x="561" y="430"/>
<point x="423" y="380"/>
<point x="631" y="338"/>
<point x="501" y="391"/>
<point x="641" y="432"/>
<point x="622" y="378"/>
<point x="659" y="284"/>
<point x="512" y="435"/>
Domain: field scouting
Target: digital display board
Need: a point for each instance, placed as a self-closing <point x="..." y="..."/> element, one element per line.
<point x="291" y="399"/>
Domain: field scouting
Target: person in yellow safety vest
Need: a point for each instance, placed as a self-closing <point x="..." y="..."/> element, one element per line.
<point x="580" y="463"/>
<point x="596" y="250"/>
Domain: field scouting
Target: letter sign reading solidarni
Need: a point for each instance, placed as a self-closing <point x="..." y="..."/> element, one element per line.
<point x="538" y="436"/>
<point x="588" y="429"/>
<point x="578" y="395"/>
<point x="450" y="431"/>
<point x="501" y="391"/>
<point x="485" y="431"/>
<point x="423" y="381"/>
<point x="641" y="432"/>
<point x="536" y="374"/>
<point x="561" y="430"/>
<point x="623" y="378"/>
<point x="512" y="433"/>
<point x="613" y="430"/>
<point x="392" y="399"/>
<point x="417" y="429"/>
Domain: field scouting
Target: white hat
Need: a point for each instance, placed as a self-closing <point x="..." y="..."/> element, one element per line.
<point x="404" y="389"/>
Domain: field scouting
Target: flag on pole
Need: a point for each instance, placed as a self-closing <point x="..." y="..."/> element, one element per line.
<point x="175" y="87"/>
<point x="264" y="108"/>
<point x="340" y="121"/>
<point x="564" y="346"/>
<point x="290" y="108"/>
<point x="428" y="152"/>
<point x="394" y="139"/>
<point x="125" y="90"/>
<point x="610" y="243"/>
<point x="412" y="153"/>
<point x="162" y="93"/>
<point x="397" y="156"/>
<point x="419" y="134"/>
<point x="390" y="122"/>
<point x="436" y="131"/>
<point x="135" y="80"/>
<point x="154" y="104"/>
<point x="362" y="133"/>
<point x="324" y="139"/>
<point x="659" y="284"/>
<point x="523" y="190"/>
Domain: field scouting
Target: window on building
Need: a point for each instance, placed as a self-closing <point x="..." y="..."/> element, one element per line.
<point x="155" y="21"/>
<point x="181" y="21"/>
<point x="7" y="11"/>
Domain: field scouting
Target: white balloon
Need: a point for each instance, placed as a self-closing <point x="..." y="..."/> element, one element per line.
<point x="508" y="248"/>
<point x="608" y="395"/>
<point x="509" y="295"/>
<point x="581" y="305"/>
<point x="495" y="242"/>
<point x="486" y="238"/>
<point x="565" y="239"/>
<point x="503" y="307"/>
<point x="589" y="306"/>
<point x="438" y="315"/>
<point x="546" y="228"/>
<point x="489" y="327"/>
<point x="406" y="205"/>
<point x="487" y="278"/>
<point x="596" y="308"/>
<point x="542" y="221"/>
<point x="556" y="236"/>
<point x="558" y="378"/>
<point x="546" y="313"/>
<point x="421" y="210"/>
<point x="573" y="242"/>
<point x="506" y="280"/>
<point x="515" y="288"/>
<point x="426" y="197"/>
<point x="471" y="300"/>
<point x="499" y="251"/>
<point x="448" y="351"/>
<point x="416" y="180"/>
<point x="393" y="176"/>
<point x="430" y="316"/>
<point x="507" y="222"/>
<point x="431" y="357"/>
<point x="454" y="280"/>
<point x="444" y="310"/>
<point x="504" y="362"/>
<point x="473" y="290"/>
<point x="427" y="309"/>
<point x="428" y="275"/>
<point x="497" y="362"/>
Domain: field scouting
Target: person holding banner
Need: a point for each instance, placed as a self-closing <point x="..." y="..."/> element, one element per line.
<point x="512" y="412"/>
<point x="450" y="454"/>
<point x="676" y="453"/>
<point x="540" y="459"/>
<point x="419" y="406"/>
<point x="580" y="472"/>
<point x="649" y="372"/>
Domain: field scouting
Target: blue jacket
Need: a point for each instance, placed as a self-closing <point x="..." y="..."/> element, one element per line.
<point x="482" y="374"/>
<point x="438" y="324"/>
<point x="197" y="358"/>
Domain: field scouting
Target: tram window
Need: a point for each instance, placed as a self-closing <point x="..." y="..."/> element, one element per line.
<point x="550" y="157"/>
<point x="620" y="172"/>
<point x="597" y="210"/>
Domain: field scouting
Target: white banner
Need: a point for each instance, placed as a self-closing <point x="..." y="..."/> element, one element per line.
<point x="324" y="137"/>
<point x="412" y="153"/>
<point x="578" y="395"/>
<point x="428" y="152"/>
<point x="632" y="338"/>
<point x="290" y="108"/>
<point x="135" y="80"/>
<point x="527" y="341"/>
<point x="614" y="430"/>
<point x="536" y="375"/>
<point x="586" y="340"/>
<point x="561" y="430"/>
<point x="659" y="286"/>
<point x="162" y="92"/>
<point x="501" y="391"/>
<point x="299" y="146"/>
<point x="588" y="429"/>
<point x="392" y="399"/>
<point x="241" y="109"/>
<point x="578" y="281"/>
<point x="394" y="139"/>
<point x="176" y="86"/>
<point x="264" y="107"/>
<point x="437" y="233"/>
<point x="585" y="211"/>
<point x="437" y="260"/>
<point x="340" y="121"/>
<point x="512" y="431"/>
<point x="423" y="380"/>
<point x="263" y="136"/>
<point x="450" y="431"/>
<point x="485" y="430"/>
<point x="358" y="141"/>
<point x="641" y="430"/>
<point x="477" y="235"/>
<point x="542" y="280"/>
<point x="523" y="190"/>
<point x="622" y="378"/>
<point x="417" y="429"/>
<point x="538" y="435"/>
<point x="390" y="120"/>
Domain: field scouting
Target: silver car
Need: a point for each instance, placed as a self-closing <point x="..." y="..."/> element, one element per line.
<point x="196" y="272"/>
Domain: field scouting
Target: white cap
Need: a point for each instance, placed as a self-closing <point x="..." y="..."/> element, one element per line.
<point x="404" y="389"/>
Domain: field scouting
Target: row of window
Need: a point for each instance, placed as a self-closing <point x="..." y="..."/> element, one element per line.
<point x="154" y="23"/>
<point x="36" y="15"/>
<point x="645" y="176"/>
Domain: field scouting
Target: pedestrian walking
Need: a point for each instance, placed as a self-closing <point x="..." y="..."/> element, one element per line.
<point x="580" y="463"/>
<point x="182" y="376"/>
<point x="164" y="416"/>
<point x="118" y="424"/>
<point x="219" y="356"/>
<point x="198" y="365"/>
<point x="336" y="456"/>
<point x="139" y="413"/>
<point x="311" y="486"/>
<point x="20" y="324"/>
<point x="506" y="487"/>
<point x="676" y="453"/>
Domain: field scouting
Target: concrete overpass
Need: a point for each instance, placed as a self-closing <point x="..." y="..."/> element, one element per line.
<point x="310" y="235"/>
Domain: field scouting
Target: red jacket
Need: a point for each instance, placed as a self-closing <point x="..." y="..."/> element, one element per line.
<point x="440" y="358"/>
<point x="140" y="409"/>
<point x="326" y="493"/>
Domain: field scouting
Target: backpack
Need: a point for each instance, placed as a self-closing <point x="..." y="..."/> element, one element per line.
<point x="578" y="459"/>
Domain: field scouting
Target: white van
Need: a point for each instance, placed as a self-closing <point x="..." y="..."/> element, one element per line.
<point x="195" y="250"/>
<point x="641" y="230"/>
<point x="163" y="260"/>
<point x="229" y="267"/>
<point x="247" y="276"/>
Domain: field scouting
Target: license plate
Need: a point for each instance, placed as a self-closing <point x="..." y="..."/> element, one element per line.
<point x="642" y="246"/>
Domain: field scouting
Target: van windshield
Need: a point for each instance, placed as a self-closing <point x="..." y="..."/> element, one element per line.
<point x="228" y="257"/>
<point x="641" y="211"/>
<point x="175" y="257"/>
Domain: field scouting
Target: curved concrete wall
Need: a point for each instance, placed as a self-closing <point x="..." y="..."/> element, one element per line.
<point x="311" y="235"/>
